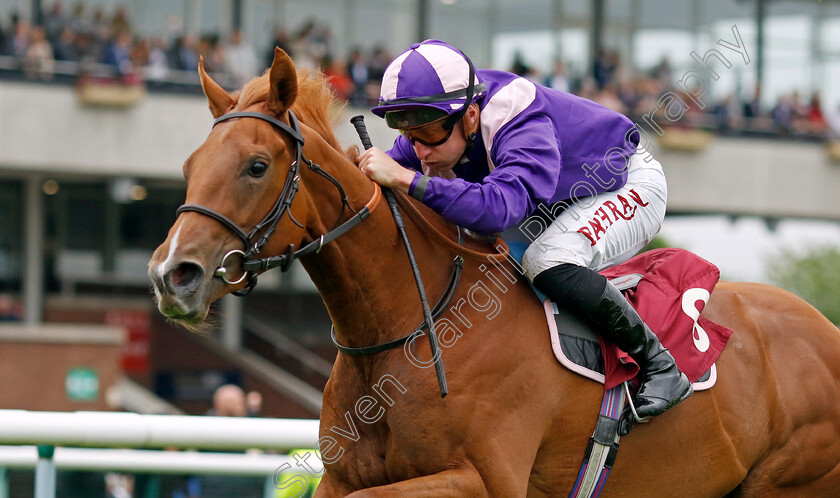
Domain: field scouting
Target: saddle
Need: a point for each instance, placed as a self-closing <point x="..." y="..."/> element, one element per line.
<point x="669" y="289"/>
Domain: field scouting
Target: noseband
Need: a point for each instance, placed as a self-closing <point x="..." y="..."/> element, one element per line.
<point x="253" y="242"/>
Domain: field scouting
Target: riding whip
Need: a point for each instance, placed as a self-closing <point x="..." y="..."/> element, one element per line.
<point x="361" y="129"/>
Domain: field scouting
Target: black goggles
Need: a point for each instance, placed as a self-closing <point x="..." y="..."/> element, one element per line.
<point x="431" y="134"/>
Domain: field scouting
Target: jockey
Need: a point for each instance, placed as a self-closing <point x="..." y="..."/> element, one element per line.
<point x="487" y="148"/>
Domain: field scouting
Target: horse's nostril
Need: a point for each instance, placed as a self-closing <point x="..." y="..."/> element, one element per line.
<point x="185" y="277"/>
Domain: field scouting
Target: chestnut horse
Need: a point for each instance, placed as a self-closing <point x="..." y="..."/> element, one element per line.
<point x="515" y="422"/>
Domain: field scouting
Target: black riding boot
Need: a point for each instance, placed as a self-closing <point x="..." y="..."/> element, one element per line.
<point x="663" y="385"/>
<point x="590" y="295"/>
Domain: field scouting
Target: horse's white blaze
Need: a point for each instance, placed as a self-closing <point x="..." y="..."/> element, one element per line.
<point x="173" y="246"/>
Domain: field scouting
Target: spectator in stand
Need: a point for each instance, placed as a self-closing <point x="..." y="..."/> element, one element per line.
<point x="228" y="401"/>
<point x="608" y="97"/>
<point x="20" y="39"/>
<point x="157" y="68"/>
<point x="301" y="49"/>
<point x="213" y="53"/>
<point x="65" y="48"/>
<point x="140" y="53"/>
<point x="604" y="67"/>
<point x="379" y="60"/>
<point x="54" y="23"/>
<point x="86" y="48"/>
<point x="723" y="114"/>
<point x="320" y="41"/>
<point x="558" y="80"/>
<point x="39" y="60"/>
<point x="182" y="54"/>
<point x="783" y="115"/>
<point x="9" y="311"/>
<point x="816" y="119"/>
<point x="832" y="120"/>
<point x="627" y="95"/>
<point x="339" y="81"/>
<point x="78" y="21"/>
<point x="662" y="73"/>
<point x="101" y="27"/>
<point x="281" y="39"/>
<point x="240" y="59"/>
<point x="119" y="22"/>
<point x="253" y="403"/>
<point x="357" y="68"/>
<point x="117" y="54"/>
<point x="519" y="67"/>
<point x="752" y="107"/>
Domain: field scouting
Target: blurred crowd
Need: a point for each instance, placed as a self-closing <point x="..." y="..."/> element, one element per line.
<point x="636" y="94"/>
<point x="107" y="40"/>
<point x="97" y="38"/>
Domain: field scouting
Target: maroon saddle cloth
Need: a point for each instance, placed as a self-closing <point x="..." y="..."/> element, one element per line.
<point x="669" y="288"/>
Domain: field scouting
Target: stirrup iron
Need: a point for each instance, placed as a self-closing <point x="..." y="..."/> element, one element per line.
<point x="633" y="406"/>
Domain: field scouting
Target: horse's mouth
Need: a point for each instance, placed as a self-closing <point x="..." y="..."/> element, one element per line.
<point x="174" y="308"/>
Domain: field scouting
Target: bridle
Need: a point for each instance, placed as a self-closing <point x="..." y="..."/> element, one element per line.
<point x="256" y="239"/>
<point x="254" y="242"/>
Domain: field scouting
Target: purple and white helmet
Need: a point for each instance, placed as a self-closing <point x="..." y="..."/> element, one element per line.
<point x="432" y="75"/>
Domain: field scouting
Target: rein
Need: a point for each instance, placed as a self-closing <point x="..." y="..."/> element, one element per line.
<point x="250" y="263"/>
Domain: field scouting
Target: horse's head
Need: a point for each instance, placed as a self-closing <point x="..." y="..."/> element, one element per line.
<point x="240" y="185"/>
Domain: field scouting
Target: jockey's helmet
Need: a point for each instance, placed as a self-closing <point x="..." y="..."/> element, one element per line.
<point x="431" y="81"/>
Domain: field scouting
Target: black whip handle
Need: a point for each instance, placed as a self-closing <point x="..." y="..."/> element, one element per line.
<point x="361" y="129"/>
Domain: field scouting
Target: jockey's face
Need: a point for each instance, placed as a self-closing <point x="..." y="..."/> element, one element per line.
<point x="443" y="157"/>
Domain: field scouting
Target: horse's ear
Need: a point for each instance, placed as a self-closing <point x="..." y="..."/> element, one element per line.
<point x="283" y="80"/>
<point x="220" y="101"/>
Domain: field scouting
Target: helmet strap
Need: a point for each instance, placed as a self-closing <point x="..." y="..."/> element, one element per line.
<point x="470" y="135"/>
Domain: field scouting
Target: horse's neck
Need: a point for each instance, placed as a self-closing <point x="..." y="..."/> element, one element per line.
<point x="363" y="276"/>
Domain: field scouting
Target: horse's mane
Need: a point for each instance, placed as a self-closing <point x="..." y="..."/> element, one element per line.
<point x="312" y="105"/>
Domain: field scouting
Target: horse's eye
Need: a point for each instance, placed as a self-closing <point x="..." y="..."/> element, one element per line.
<point x="257" y="169"/>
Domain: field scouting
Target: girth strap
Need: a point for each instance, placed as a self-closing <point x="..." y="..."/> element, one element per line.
<point x="439" y="309"/>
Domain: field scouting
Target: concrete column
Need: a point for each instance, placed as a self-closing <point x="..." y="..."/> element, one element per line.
<point x="237" y="10"/>
<point x="232" y="322"/>
<point x="33" y="280"/>
<point x="596" y="39"/>
<point x="192" y="17"/>
<point x="492" y="28"/>
<point x="760" y="16"/>
<point x="556" y="30"/>
<point x="422" y="19"/>
<point x="350" y="9"/>
<point x="635" y="25"/>
<point x="278" y="15"/>
<point x="817" y="54"/>
<point x="37" y="12"/>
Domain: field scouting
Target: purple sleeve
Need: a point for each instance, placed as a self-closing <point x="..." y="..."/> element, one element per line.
<point x="528" y="166"/>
